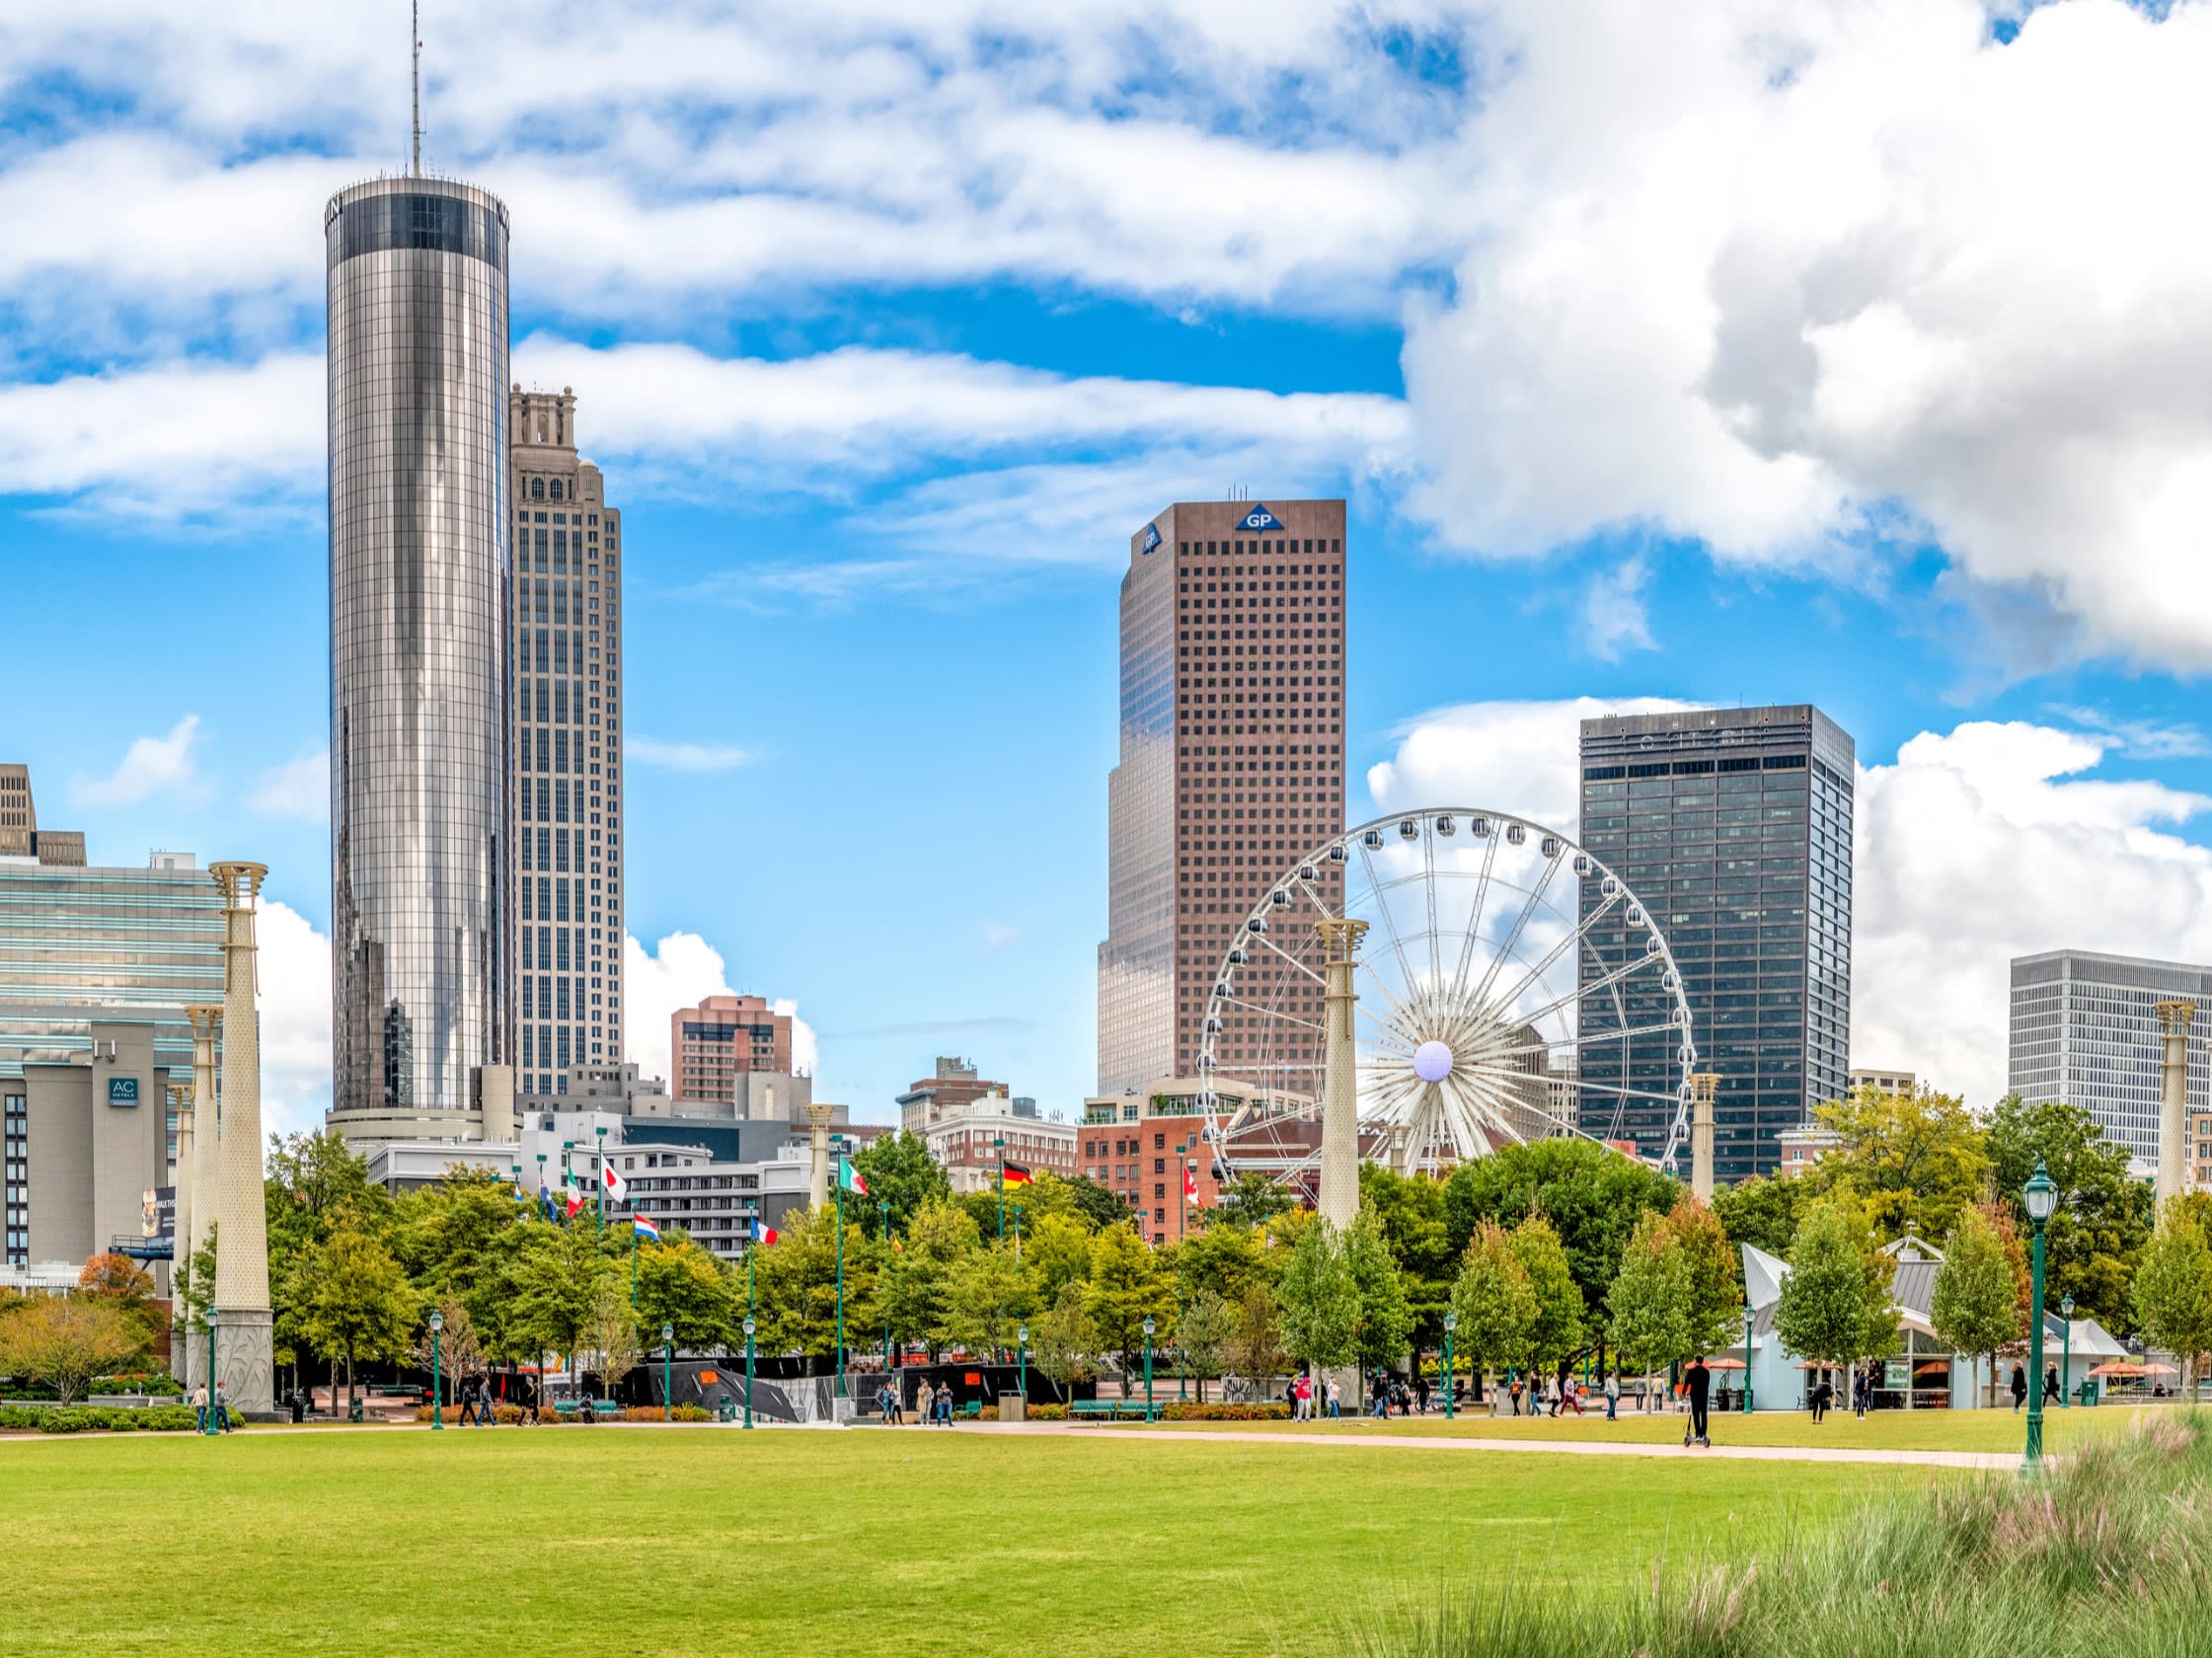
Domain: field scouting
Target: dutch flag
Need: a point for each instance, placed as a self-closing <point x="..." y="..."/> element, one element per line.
<point x="644" y="1228"/>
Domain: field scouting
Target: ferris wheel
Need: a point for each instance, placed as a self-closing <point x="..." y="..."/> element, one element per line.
<point x="1510" y="988"/>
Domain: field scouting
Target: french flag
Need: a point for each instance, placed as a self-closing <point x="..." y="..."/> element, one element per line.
<point x="764" y="1234"/>
<point x="645" y="1227"/>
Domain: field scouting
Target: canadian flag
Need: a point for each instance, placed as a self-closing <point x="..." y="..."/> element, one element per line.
<point x="616" y="1187"/>
<point x="1189" y="1185"/>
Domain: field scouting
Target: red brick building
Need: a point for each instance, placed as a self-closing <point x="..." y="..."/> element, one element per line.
<point x="709" y="1045"/>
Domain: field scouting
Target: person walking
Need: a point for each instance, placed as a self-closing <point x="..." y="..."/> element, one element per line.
<point x="200" y="1407"/>
<point x="223" y="1407"/>
<point x="2019" y="1387"/>
<point x="1575" y="1396"/>
<point x="1335" y="1399"/>
<point x="1613" y="1395"/>
<point x="1821" y="1395"/>
<point x="897" y="1405"/>
<point x="1513" y="1393"/>
<point x="1421" y="1392"/>
<point x="2050" y="1386"/>
<point x="1697" y="1382"/>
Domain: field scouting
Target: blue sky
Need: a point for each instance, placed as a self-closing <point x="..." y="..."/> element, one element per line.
<point x="1775" y="352"/>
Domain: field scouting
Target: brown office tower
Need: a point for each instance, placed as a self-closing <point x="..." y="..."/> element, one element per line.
<point x="568" y="752"/>
<point x="1232" y="768"/>
<point x="709" y="1045"/>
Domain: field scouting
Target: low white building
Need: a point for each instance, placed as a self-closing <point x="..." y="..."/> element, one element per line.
<point x="971" y="1138"/>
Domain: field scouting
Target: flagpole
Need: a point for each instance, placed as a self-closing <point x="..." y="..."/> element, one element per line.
<point x="749" y="1248"/>
<point x="883" y="1205"/>
<point x="633" y="1266"/>
<point x="999" y="1142"/>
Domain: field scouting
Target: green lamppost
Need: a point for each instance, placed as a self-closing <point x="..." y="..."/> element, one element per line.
<point x="1183" y="1353"/>
<point x="667" y="1363"/>
<point x="749" y="1369"/>
<point x="883" y="1207"/>
<point x="437" y="1375"/>
<point x="2066" y="1364"/>
<point x="1148" y="1328"/>
<point x="2042" y="1197"/>
<point x="1747" y="1360"/>
<point x="840" y="1139"/>
<point x="1022" y="1347"/>
<point x="1451" y="1323"/>
<point x="1182" y="1219"/>
<point x="214" y="1418"/>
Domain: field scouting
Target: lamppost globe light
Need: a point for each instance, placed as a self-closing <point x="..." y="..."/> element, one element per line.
<point x="213" y="1312"/>
<point x="437" y="1320"/>
<point x="748" y="1329"/>
<point x="1023" y="1334"/>
<point x="1451" y="1321"/>
<point x="2066" y="1305"/>
<point x="668" y="1332"/>
<point x="1149" y="1327"/>
<point x="2041" y="1195"/>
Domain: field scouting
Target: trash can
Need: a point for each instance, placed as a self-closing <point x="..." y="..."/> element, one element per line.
<point x="353" y="1408"/>
<point x="1013" y="1407"/>
<point x="2089" y="1393"/>
<point x="725" y="1410"/>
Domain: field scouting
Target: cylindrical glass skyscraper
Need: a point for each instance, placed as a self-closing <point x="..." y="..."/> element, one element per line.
<point x="419" y="464"/>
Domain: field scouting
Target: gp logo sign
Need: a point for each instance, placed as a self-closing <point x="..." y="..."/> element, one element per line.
<point x="1151" y="537"/>
<point x="1259" y="520"/>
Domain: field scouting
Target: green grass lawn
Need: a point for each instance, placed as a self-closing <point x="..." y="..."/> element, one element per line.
<point x="637" y="1541"/>
<point x="1888" y="1430"/>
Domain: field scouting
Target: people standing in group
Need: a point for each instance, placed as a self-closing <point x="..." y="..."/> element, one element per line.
<point x="1613" y="1395"/>
<point x="944" y="1405"/>
<point x="925" y="1400"/>
<point x="1302" y="1391"/>
<point x="1697" y="1385"/>
<point x="2019" y="1387"/>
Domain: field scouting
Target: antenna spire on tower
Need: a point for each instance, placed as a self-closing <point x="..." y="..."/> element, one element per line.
<point x="415" y="15"/>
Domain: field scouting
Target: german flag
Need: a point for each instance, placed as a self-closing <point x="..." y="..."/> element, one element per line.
<point x="1016" y="1174"/>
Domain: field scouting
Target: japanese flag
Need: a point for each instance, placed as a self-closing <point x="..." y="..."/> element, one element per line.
<point x="615" y="1186"/>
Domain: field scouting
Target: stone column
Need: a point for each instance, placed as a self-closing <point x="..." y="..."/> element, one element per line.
<point x="1703" y="1086"/>
<point x="2173" y="1099"/>
<point x="208" y="1165"/>
<point x="494" y="1098"/>
<point x="181" y="1177"/>
<point x="1339" y="1197"/>
<point x="244" y="1361"/>
<point x="817" y="1179"/>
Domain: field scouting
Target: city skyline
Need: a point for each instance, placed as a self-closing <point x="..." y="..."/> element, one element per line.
<point x="881" y="480"/>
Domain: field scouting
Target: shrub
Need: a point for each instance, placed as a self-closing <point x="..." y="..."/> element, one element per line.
<point x="1185" y="1412"/>
<point x="645" y="1413"/>
<point x="508" y="1415"/>
<point x="1049" y="1413"/>
<point x="694" y="1413"/>
<point x="154" y="1381"/>
<point x="83" y="1418"/>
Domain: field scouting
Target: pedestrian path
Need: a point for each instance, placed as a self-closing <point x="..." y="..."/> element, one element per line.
<point x="1529" y="1447"/>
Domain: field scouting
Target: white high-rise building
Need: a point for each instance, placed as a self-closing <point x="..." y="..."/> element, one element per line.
<point x="2084" y="1029"/>
<point x="568" y="752"/>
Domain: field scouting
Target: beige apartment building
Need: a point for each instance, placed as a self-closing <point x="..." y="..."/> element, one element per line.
<point x="567" y="751"/>
<point x="1232" y="767"/>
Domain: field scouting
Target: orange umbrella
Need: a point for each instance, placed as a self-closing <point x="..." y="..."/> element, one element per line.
<point x="2118" y="1368"/>
<point x="1723" y="1364"/>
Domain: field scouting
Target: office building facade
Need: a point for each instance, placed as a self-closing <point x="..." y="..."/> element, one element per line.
<point x="2084" y="1029"/>
<point x="81" y="945"/>
<point x="567" y="674"/>
<point x="1732" y="826"/>
<point x="419" y="585"/>
<point x="1231" y="765"/>
<point x="711" y="1045"/>
<point x="969" y="1138"/>
<point x="956" y="1082"/>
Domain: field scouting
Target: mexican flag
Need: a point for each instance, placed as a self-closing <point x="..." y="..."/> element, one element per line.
<point x="849" y="1179"/>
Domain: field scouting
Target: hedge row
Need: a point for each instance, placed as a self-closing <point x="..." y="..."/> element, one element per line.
<point x="86" y="1418"/>
<point x="155" y="1382"/>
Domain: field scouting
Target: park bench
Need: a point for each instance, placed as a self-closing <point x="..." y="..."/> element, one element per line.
<point x="972" y="1410"/>
<point x="1112" y="1410"/>
<point x="601" y="1410"/>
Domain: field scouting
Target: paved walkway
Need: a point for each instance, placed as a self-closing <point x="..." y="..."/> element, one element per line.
<point x="1544" y="1447"/>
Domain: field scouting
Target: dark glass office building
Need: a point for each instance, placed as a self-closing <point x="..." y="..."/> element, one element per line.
<point x="1733" y="827"/>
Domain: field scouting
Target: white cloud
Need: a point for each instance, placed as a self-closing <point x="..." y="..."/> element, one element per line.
<point x="688" y="756"/>
<point x="1513" y="757"/>
<point x="1755" y="270"/>
<point x="297" y="788"/>
<point x="150" y="764"/>
<point x="295" y="991"/>
<point x="1614" y="618"/>
<point x="997" y="934"/>
<point x="1973" y="846"/>
<point x="679" y="972"/>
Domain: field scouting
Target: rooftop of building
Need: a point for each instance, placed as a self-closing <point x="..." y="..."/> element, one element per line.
<point x="2044" y="967"/>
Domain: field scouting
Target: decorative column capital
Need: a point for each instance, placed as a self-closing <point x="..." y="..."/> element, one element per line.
<point x="241" y="882"/>
<point x="1704" y="1084"/>
<point x="206" y="1022"/>
<point x="1340" y="937"/>
<point x="2175" y="1017"/>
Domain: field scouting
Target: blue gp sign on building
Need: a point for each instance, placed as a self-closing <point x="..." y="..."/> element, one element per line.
<point x="122" y="1090"/>
<point x="1259" y="520"/>
<point x="1151" y="537"/>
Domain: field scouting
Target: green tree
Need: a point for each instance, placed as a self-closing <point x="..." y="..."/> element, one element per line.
<point x="1651" y="1301"/>
<point x="1062" y="1337"/>
<point x="125" y="1286"/>
<point x="1224" y="1261"/>
<point x="1974" y="1304"/>
<point x="445" y="1234"/>
<point x="1913" y="1161"/>
<point x="1386" y="1317"/>
<point x="2103" y="1218"/>
<point x="551" y="1284"/>
<point x="1558" y="1329"/>
<point x="986" y="1297"/>
<point x="920" y="1270"/>
<point x="1411" y="1210"/>
<point x="1835" y="1306"/>
<point x="797" y="1282"/>
<point x="1126" y="1287"/>
<point x="351" y="1300"/>
<point x="1205" y="1337"/>
<point x="451" y="1354"/>
<point x="899" y="1170"/>
<point x="1099" y="1206"/>
<point x="2174" y="1289"/>
<point x="1056" y="1254"/>
<point x="64" y="1341"/>
<point x="1249" y="1201"/>
<point x="679" y="1283"/>
<point x="1495" y="1306"/>
<point x="1716" y="1305"/>
<point x="610" y="1330"/>
<point x="1254" y="1343"/>
<point x="1317" y="1300"/>
<point x="1590" y="1196"/>
<point x="1763" y="1212"/>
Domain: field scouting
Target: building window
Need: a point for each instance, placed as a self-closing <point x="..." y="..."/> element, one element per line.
<point x="537" y="489"/>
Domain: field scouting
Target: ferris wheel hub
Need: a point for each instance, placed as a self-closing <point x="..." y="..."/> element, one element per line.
<point x="1432" y="1061"/>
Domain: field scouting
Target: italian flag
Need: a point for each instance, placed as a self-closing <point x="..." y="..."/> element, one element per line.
<point x="574" y="1189"/>
<point x="849" y="1179"/>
